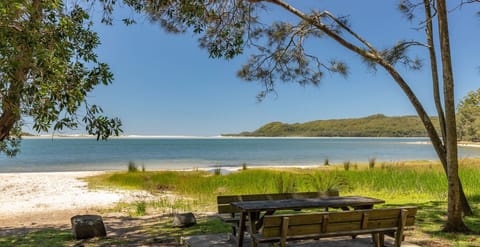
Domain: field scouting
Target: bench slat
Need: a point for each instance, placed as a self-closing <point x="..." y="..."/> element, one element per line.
<point x="337" y="217"/>
<point x="227" y="209"/>
<point x="320" y="227"/>
<point x="260" y="238"/>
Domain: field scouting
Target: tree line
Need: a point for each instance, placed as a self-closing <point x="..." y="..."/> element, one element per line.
<point x="468" y="117"/>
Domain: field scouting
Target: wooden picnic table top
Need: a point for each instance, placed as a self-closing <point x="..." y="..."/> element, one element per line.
<point x="302" y="203"/>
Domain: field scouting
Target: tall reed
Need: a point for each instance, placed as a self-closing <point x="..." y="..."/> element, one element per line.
<point x="132" y="167"/>
<point x="346" y="165"/>
<point x="371" y="162"/>
<point x="326" y="161"/>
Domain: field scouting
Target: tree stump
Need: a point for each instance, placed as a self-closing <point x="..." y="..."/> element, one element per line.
<point x="88" y="226"/>
<point x="184" y="220"/>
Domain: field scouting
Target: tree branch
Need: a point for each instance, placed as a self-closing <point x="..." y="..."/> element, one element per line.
<point x="341" y="24"/>
<point x="316" y="22"/>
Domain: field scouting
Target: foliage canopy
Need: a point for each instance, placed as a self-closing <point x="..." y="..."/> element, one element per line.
<point x="47" y="68"/>
<point x="468" y="117"/>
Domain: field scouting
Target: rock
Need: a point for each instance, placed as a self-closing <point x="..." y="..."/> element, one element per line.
<point x="88" y="226"/>
<point x="184" y="220"/>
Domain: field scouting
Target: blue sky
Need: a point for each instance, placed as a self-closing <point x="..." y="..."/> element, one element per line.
<point x="166" y="85"/>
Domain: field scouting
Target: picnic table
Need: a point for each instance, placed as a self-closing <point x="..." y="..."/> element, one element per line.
<point x="253" y="209"/>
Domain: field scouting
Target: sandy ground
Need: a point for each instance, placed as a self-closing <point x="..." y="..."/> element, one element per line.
<point x="35" y="199"/>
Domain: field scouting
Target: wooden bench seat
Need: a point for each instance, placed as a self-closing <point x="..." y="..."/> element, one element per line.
<point x="231" y="215"/>
<point x="283" y="228"/>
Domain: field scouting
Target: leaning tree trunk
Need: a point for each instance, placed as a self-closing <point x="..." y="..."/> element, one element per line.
<point x="455" y="220"/>
<point x="445" y="152"/>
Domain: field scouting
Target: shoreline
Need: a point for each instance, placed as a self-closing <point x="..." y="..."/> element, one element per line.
<point x="469" y="144"/>
<point x="205" y="167"/>
<point x="211" y="167"/>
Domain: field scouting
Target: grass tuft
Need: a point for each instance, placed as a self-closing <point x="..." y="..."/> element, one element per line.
<point x="217" y="171"/>
<point x="132" y="167"/>
<point x="371" y="162"/>
<point x="244" y="166"/>
<point x="141" y="208"/>
<point x="326" y="162"/>
<point x="346" y="165"/>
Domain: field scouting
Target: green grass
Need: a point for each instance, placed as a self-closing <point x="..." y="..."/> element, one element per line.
<point x="46" y="237"/>
<point x="396" y="183"/>
<point x="422" y="184"/>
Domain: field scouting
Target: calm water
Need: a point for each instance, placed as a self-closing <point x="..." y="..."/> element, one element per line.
<point x="62" y="154"/>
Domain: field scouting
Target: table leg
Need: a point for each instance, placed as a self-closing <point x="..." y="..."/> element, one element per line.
<point x="260" y="219"/>
<point x="376" y="239"/>
<point x="382" y="239"/>
<point x="241" y="229"/>
<point x="253" y="218"/>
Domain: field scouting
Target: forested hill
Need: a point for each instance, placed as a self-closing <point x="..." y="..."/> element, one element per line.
<point x="371" y="126"/>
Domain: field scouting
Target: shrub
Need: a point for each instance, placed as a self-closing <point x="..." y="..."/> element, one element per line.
<point x="244" y="166"/>
<point x="323" y="181"/>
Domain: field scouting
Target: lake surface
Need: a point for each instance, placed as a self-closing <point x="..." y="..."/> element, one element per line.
<point x="69" y="154"/>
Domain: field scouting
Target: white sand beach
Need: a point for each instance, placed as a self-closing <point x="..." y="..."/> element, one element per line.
<point x="52" y="197"/>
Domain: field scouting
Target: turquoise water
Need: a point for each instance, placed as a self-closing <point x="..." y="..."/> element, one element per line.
<point x="62" y="154"/>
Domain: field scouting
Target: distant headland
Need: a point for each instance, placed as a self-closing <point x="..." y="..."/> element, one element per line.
<point x="377" y="125"/>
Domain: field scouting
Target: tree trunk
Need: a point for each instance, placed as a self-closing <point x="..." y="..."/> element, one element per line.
<point x="11" y="101"/>
<point x="434" y="68"/>
<point x="455" y="219"/>
<point x="467" y="210"/>
<point x="7" y="121"/>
